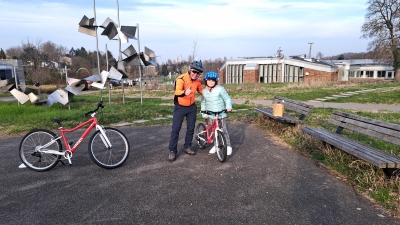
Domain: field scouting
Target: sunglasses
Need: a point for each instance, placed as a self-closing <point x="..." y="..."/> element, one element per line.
<point x="196" y="72"/>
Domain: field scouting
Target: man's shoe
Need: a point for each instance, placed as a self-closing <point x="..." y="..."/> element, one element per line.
<point x="172" y="156"/>
<point x="189" y="151"/>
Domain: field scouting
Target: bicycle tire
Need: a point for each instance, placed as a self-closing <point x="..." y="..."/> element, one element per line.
<point x="39" y="161"/>
<point x="200" y="129"/>
<point x="220" y="146"/>
<point x="105" y="157"/>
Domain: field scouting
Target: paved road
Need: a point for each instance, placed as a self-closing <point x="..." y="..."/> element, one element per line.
<point x="263" y="182"/>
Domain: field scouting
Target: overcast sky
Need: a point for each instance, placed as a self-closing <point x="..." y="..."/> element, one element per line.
<point x="222" y="28"/>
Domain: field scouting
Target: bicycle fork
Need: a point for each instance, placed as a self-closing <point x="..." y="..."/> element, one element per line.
<point x="104" y="137"/>
<point x="216" y="141"/>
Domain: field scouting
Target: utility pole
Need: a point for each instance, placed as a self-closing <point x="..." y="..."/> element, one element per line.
<point x="310" y="43"/>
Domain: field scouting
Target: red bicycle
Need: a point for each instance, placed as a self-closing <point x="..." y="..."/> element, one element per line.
<point x="208" y="134"/>
<point x="41" y="149"/>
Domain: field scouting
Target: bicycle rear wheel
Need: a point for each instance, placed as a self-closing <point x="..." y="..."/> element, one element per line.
<point x="201" y="135"/>
<point x="35" y="160"/>
<point x="220" y="146"/>
<point x="105" y="157"/>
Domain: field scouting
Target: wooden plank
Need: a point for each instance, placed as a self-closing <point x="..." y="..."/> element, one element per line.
<point x="371" y="133"/>
<point x="364" y="148"/>
<point x="366" y="153"/>
<point x="296" y="106"/>
<point x="291" y="105"/>
<point x="378" y="163"/>
<point x="368" y="126"/>
<point x="380" y="123"/>
<point x="284" y="119"/>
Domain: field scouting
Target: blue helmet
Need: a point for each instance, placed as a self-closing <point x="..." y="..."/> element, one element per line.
<point x="197" y="65"/>
<point x="212" y="76"/>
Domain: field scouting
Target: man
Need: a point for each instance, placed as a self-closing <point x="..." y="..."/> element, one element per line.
<point x="186" y="86"/>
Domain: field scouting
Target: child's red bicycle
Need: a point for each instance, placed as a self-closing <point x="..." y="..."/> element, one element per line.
<point x="41" y="149"/>
<point x="208" y="134"/>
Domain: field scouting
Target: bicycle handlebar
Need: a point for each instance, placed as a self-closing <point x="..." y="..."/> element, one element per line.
<point x="213" y="113"/>
<point x="99" y="105"/>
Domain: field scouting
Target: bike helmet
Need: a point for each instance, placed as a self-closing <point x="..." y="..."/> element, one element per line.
<point x="212" y="76"/>
<point x="197" y="65"/>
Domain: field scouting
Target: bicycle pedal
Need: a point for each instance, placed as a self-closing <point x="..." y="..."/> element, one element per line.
<point x="70" y="164"/>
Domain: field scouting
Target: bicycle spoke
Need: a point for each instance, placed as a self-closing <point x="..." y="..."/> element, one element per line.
<point x="109" y="157"/>
<point x="39" y="161"/>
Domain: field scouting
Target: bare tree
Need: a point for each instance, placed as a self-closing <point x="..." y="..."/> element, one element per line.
<point x="279" y="54"/>
<point x="53" y="51"/>
<point x="320" y="55"/>
<point x="14" y="52"/>
<point x="382" y="25"/>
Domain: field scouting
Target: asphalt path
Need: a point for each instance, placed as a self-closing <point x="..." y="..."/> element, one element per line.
<point x="263" y="182"/>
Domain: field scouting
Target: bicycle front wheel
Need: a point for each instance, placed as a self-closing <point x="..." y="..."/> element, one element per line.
<point x="201" y="135"/>
<point x="39" y="160"/>
<point x="220" y="146"/>
<point x="107" y="157"/>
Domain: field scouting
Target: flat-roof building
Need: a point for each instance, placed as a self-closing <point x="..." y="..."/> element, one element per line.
<point x="299" y="69"/>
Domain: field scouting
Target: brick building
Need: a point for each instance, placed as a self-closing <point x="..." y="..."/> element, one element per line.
<point x="301" y="69"/>
<point x="277" y="70"/>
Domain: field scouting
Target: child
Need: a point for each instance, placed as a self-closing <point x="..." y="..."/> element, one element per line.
<point x="215" y="99"/>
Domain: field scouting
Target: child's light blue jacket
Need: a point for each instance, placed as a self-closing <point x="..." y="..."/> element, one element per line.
<point x="216" y="100"/>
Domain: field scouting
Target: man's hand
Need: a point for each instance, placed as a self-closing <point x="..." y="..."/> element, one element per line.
<point x="189" y="90"/>
<point x="229" y="109"/>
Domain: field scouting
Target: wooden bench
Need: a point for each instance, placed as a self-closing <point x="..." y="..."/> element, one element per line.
<point x="299" y="108"/>
<point x="388" y="132"/>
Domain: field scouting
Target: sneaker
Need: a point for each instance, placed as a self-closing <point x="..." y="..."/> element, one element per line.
<point x="189" y="151"/>
<point x="229" y="150"/>
<point x="212" y="150"/>
<point x="172" y="156"/>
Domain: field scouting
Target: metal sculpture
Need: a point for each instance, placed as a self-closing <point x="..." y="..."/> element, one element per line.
<point x="89" y="27"/>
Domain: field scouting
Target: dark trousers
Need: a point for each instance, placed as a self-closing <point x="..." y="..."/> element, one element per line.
<point x="180" y="112"/>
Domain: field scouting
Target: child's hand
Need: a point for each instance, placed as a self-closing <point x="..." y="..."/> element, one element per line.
<point x="229" y="109"/>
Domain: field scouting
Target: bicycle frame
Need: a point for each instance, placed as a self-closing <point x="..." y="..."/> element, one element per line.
<point x="42" y="149"/>
<point x="210" y="130"/>
<point x="92" y="122"/>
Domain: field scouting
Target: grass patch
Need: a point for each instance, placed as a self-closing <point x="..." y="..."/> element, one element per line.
<point x="19" y="119"/>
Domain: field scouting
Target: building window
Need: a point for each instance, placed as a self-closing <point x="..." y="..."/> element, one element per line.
<point x="234" y="74"/>
<point x="352" y="74"/>
<point x="389" y="74"/>
<point x="269" y="73"/>
<point x="369" y="74"/>
<point x="381" y="74"/>
<point x="292" y="73"/>
<point x="6" y="74"/>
